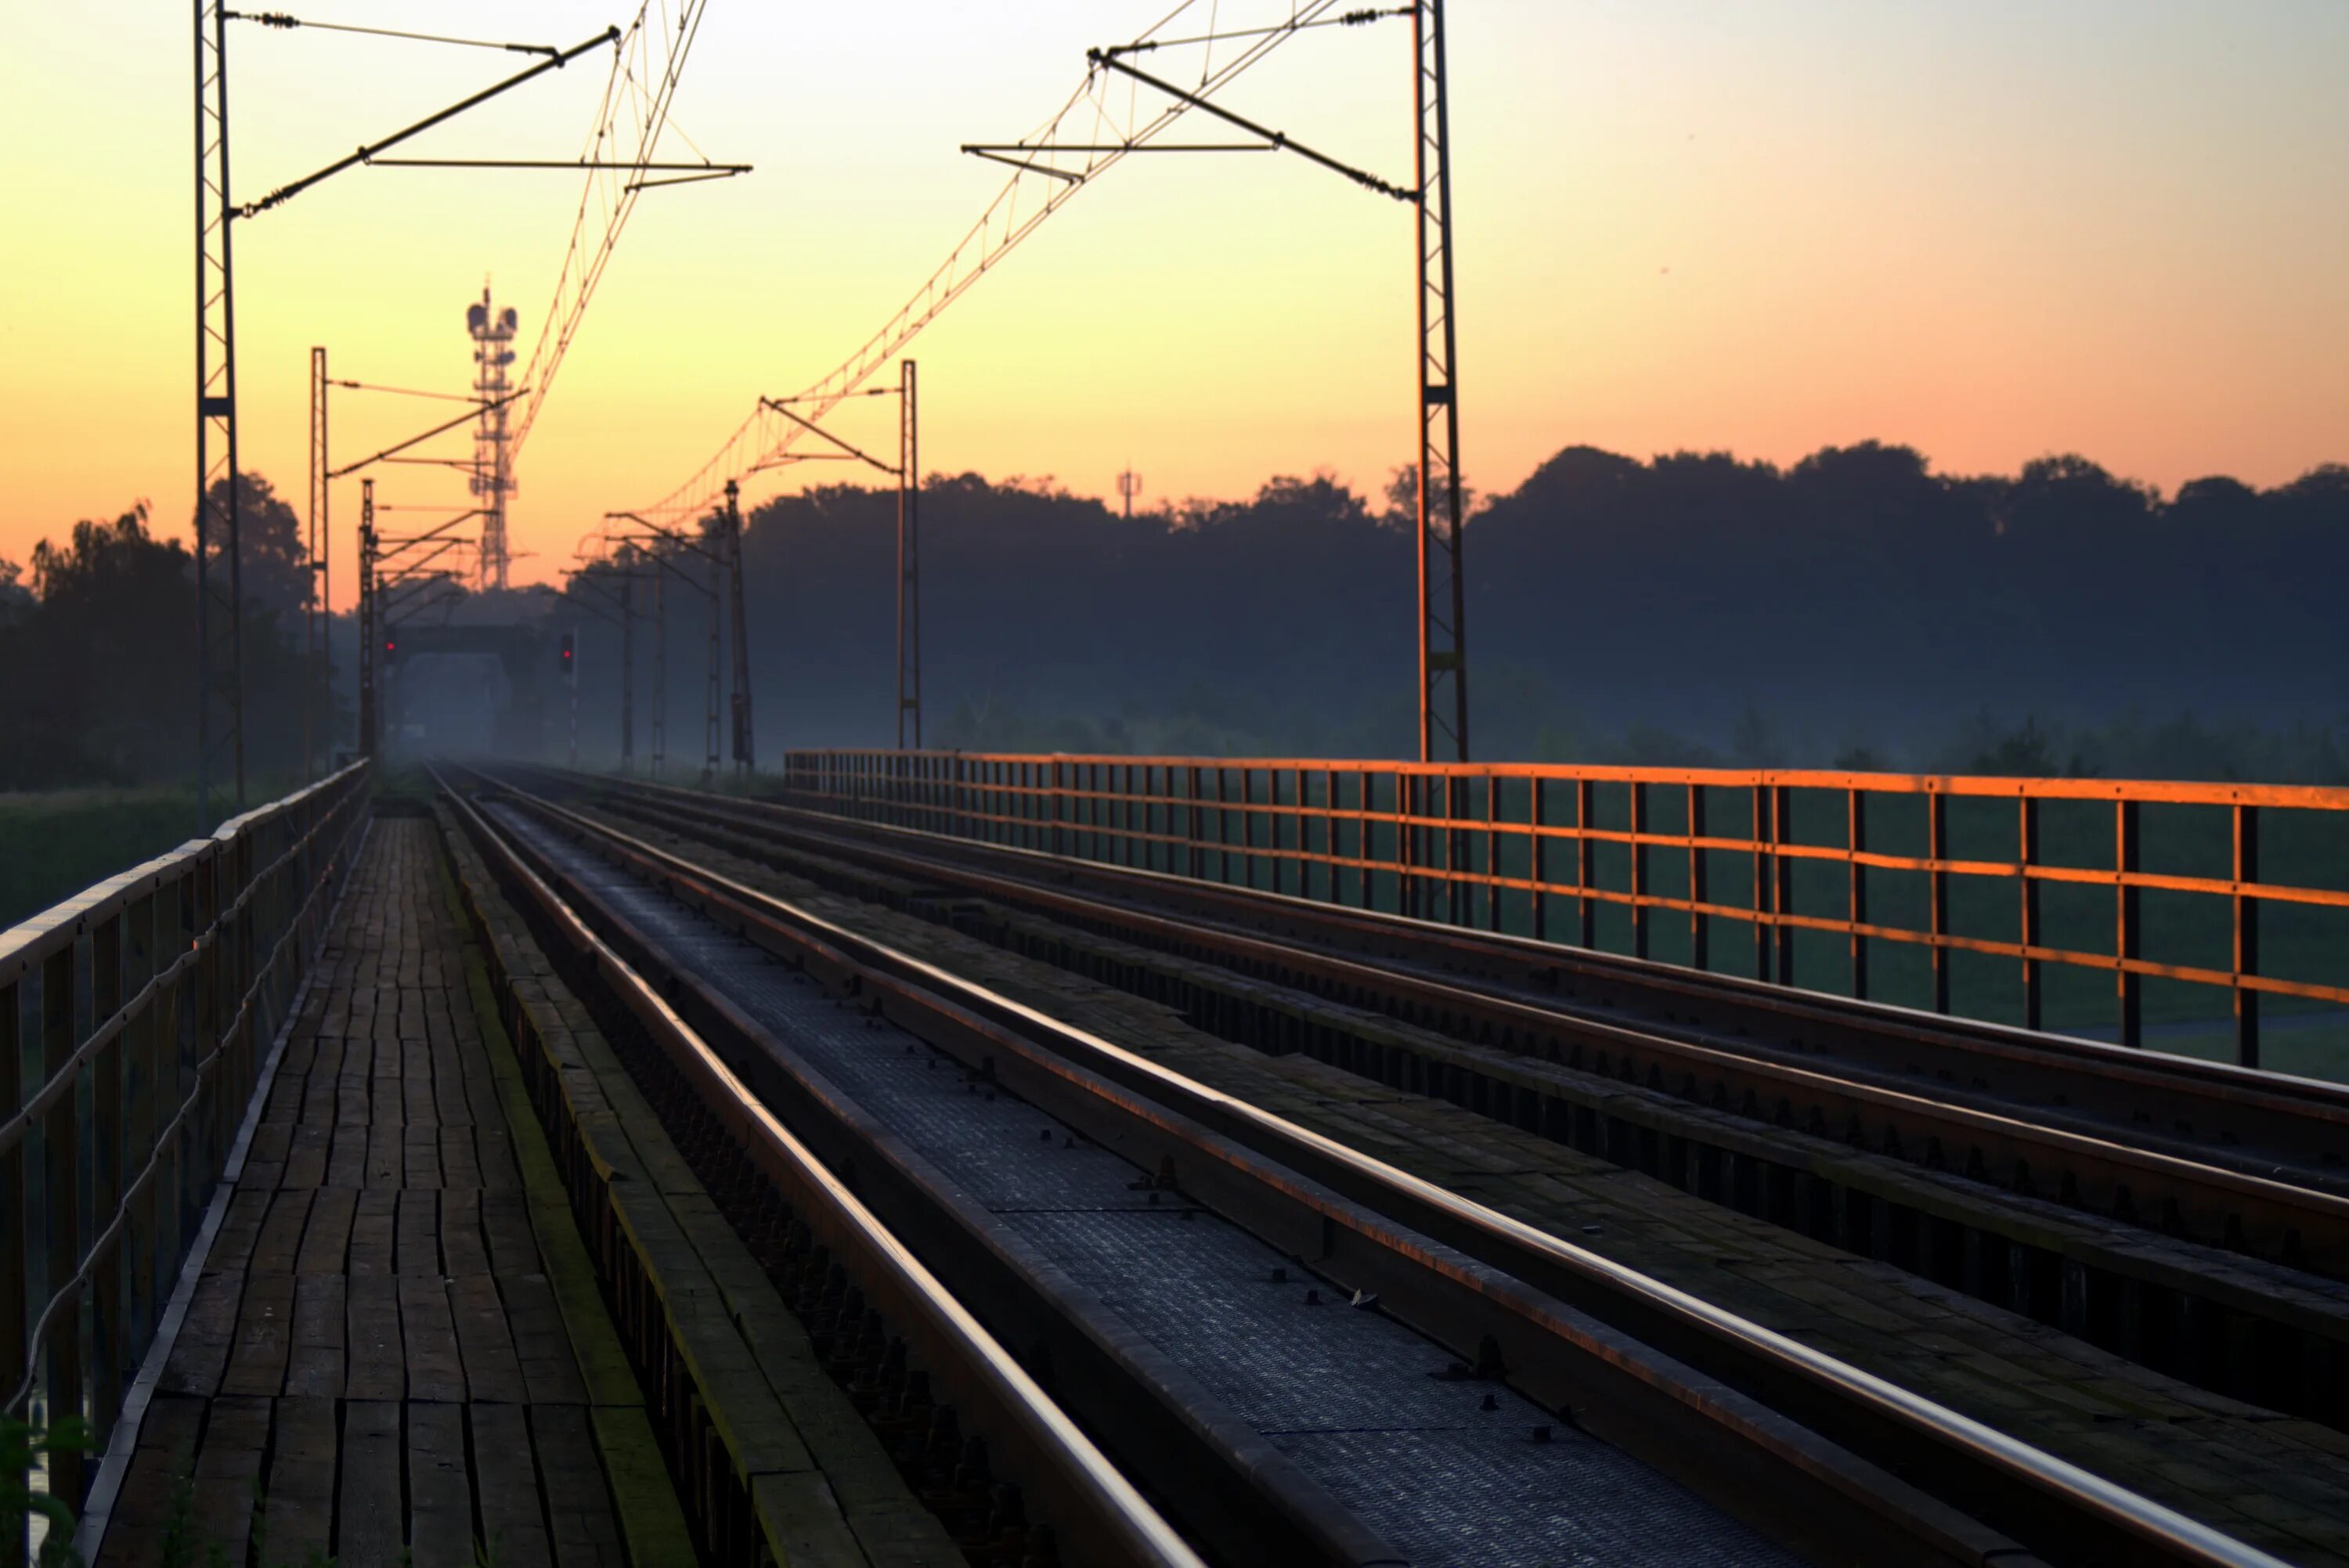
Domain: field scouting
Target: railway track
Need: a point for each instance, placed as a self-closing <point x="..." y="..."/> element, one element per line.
<point x="2185" y="1215"/>
<point x="1630" y="1420"/>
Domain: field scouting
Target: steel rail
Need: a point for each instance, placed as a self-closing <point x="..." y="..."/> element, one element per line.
<point x="2031" y="1492"/>
<point x="1678" y="1421"/>
<point x="1994" y="1219"/>
<point x="2243" y="1181"/>
<point x="1100" y="1513"/>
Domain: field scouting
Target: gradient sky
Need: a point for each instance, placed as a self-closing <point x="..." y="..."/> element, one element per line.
<point x="1993" y="230"/>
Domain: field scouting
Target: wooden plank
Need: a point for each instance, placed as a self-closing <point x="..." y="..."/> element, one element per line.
<point x="299" y="1502"/>
<point x="505" y="1224"/>
<point x="464" y="1251"/>
<point x="264" y="1336"/>
<point x="416" y="1106"/>
<point x="420" y="1156"/>
<point x="346" y="1155"/>
<point x="279" y="1241"/>
<point x="369" y="1529"/>
<point x="492" y="1370"/>
<point x="428" y="1336"/>
<point x="385" y="1161"/>
<point x="580" y="1522"/>
<point x="228" y="1472"/>
<point x="240" y="1223"/>
<point x="199" y="1355"/>
<point x="419" y="1233"/>
<point x="327" y="1239"/>
<point x="549" y="1362"/>
<point x="305" y="1156"/>
<point x="374" y="1217"/>
<point x="513" y="1528"/>
<point x="314" y="1365"/>
<point x="440" y="1488"/>
<point x="375" y="1348"/>
<point x="162" y="1463"/>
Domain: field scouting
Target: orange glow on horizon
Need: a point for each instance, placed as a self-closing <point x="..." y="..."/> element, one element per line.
<point x="1989" y="233"/>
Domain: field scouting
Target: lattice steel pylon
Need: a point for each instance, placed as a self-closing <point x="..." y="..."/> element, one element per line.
<point x="745" y="759"/>
<point x="909" y="574"/>
<point x="219" y="625"/>
<point x="492" y="332"/>
<point x="369" y="738"/>
<point x="1443" y="590"/>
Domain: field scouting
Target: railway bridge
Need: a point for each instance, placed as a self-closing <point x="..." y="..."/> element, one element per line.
<point x="915" y="1157"/>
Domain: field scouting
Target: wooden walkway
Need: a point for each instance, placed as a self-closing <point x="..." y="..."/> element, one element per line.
<point x="396" y="1354"/>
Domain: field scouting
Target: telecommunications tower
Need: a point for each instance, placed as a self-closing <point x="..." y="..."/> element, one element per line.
<point x="492" y="332"/>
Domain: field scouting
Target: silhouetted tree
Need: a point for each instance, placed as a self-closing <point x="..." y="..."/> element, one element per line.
<point x="274" y="558"/>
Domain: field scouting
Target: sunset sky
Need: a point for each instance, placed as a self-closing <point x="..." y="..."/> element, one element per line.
<point x="1991" y="230"/>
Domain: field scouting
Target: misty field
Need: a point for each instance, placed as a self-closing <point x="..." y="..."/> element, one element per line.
<point x="54" y="843"/>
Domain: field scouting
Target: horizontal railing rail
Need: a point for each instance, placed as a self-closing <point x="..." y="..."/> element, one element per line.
<point x="2043" y="903"/>
<point x="138" y="1009"/>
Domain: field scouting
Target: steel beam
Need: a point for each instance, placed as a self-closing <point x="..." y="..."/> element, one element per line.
<point x="1443" y="633"/>
<point x="220" y="638"/>
<point x="909" y="578"/>
<point x="745" y="762"/>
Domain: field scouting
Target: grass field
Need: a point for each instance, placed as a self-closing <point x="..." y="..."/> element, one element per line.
<point x="54" y="844"/>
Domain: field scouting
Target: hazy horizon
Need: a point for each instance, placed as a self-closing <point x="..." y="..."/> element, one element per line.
<point x="1990" y="232"/>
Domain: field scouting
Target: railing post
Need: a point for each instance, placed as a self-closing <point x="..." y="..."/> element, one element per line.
<point x="1537" y="862"/>
<point x="2247" y="935"/>
<point x="1330" y="833"/>
<point x="1937" y="850"/>
<point x="1765" y="931"/>
<point x="196" y="1144"/>
<point x="140" y="1037"/>
<point x="1196" y="855"/>
<point x="1782" y="832"/>
<point x="1639" y="871"/>
<point x="1451" y="843"/>
<point x="2027" y="836"/>
<point x="1700" y="948"/>
<point x="105" y="987"/>
<point x="1855" y="845"/>
<point x="1248" y="820"/>
<point x="182" y="1015"/>
<point x="2127" y="937"/>
<point x="1491" y="851"/>
<point x="1585" y="862"/>
<point x="1060" y="809"/>
<point x="15" y="1259"/>
<point x="61" y="1212"/>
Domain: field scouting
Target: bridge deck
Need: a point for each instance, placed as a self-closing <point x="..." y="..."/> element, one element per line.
<point x="397" y="1351"/>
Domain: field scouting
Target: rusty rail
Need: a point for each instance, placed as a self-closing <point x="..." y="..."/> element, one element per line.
<point x="152" y="997"/>
<point x="1847" y="869"/>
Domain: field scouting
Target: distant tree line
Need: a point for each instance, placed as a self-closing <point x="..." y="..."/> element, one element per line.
<point x="1695" y="608"/>
<point x="1855" y="608"/>
<point x="97" y="673"/>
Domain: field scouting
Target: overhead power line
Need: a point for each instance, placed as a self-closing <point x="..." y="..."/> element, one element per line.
<point x="1092" y="130"/>
<point x="617" y="155"/>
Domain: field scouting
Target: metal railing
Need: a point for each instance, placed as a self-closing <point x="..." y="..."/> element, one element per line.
<point x="140" y="1010"/>
<point x="2211" y="919"/>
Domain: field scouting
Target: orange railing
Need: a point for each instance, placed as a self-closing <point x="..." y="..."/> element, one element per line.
<point x="2207" y="918"/>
